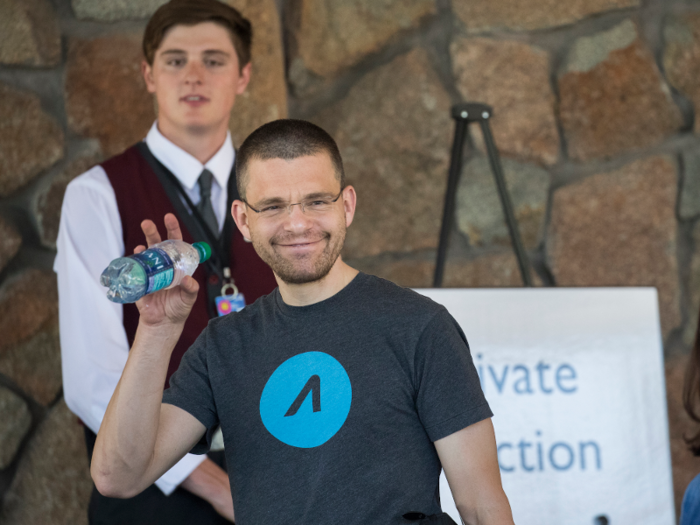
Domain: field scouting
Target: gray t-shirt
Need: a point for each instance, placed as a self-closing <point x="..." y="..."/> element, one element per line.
<point x="329" y="411"/>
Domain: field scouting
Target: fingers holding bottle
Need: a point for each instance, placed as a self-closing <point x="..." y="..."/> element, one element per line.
<point x="150" y="231"/>
<point x="181" y="306"/>
<point x="172" y="227"/>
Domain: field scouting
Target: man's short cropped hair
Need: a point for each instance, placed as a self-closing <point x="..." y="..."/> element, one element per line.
<point x="286" y="139"/>
<point x="192" y="12"/>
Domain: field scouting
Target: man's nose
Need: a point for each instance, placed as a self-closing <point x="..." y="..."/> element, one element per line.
<point x="193" y="73"/>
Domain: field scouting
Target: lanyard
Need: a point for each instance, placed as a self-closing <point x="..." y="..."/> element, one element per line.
<point x="219" y="264"/>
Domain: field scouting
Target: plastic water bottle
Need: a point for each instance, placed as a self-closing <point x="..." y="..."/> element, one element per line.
<point x="162" y="266"/>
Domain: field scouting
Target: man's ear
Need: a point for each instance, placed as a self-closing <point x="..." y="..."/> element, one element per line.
<point x="244" y="78"/>
<point x="147" y="72"/>
<point x="239" y="212"/>
<point x="349" y="204"/>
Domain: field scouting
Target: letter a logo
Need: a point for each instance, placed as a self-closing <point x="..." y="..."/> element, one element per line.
<point x="313" y="385"/>
<point x="291" y="402"/>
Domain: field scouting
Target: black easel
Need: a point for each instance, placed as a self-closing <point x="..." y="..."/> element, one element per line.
<point x="464" y="114"/>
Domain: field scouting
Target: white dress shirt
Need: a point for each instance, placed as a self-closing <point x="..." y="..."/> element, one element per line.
<point x="94" y="346"/>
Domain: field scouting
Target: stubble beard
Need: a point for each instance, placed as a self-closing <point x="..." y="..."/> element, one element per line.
<point x="306" y="268"/>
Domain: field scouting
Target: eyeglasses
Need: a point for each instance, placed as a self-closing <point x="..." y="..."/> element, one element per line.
<point x="312" y="205"/>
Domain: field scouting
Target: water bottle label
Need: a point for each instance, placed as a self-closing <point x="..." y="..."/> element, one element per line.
<point x="158" y="267"/>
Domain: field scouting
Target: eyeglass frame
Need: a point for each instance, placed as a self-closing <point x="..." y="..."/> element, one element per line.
<point x="289" y="206"/>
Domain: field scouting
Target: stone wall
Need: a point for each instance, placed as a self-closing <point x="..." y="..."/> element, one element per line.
<point x="594" y="116"/>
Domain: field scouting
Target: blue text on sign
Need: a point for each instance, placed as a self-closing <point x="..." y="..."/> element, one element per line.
<point x="523" y="379"/>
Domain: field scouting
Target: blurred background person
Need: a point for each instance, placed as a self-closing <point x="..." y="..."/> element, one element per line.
<point x="690" y="509"/>
<point x="196" y="62"/>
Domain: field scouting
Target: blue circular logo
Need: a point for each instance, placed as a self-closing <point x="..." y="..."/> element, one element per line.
<point x="306" y="400"/>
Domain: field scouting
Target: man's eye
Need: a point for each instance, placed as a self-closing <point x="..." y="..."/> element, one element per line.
<point x="177" y="62"/>
<point x="318" y="203"/>
<point x="214" y="63"/>
<point x="270" y="209"/>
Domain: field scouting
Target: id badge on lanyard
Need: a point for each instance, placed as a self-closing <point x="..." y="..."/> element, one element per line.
<point x="230" y="300"/>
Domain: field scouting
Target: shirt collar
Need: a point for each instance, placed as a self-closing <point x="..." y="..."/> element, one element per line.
<point x="184" y="166"/>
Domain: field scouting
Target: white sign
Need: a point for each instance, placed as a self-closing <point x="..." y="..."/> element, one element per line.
<point x="575" y="380"/>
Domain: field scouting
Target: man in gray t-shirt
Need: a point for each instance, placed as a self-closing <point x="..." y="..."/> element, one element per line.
<point x="332" y="409"/>
<point x="340" y="395"/>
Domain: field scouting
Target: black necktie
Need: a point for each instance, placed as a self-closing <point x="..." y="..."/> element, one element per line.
<point x="204" y="207"/>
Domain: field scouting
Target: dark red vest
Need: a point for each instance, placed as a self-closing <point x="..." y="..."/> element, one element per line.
<point x="141" y="196"/>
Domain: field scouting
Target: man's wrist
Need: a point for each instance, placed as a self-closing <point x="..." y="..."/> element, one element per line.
<point x="161" y="329"/>
<point x="164" y="335"/>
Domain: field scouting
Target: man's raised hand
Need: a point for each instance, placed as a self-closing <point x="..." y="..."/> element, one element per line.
<point x="171" y="306"/>
<point x="140" y="437"/>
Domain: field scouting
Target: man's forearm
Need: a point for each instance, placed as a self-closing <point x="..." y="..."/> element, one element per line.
<point x="470" y="459"/>
<point x="126" y="442"/>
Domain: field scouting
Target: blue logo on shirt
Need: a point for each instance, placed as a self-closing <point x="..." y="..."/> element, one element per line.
<point x="306" y="400"/>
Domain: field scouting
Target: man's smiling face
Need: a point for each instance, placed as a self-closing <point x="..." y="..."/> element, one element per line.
<point x="300" y="247"/>
<point x="195" y="76"/>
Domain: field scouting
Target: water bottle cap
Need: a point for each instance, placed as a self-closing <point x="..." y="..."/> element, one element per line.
<point x="204" y="251"/>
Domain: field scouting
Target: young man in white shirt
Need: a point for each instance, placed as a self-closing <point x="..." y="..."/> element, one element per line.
<point x="196" y="61"/>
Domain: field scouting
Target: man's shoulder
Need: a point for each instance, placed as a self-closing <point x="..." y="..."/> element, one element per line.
<point x="392" y="291"/>
<point x="92" y="183"/>
<point x="97" y="177"/>
<point x="125" y="162"/>
<point x="382" y="294"/>
<point x="690" y="510"/>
